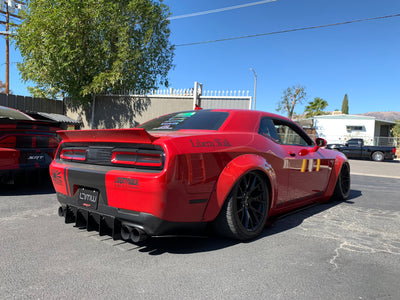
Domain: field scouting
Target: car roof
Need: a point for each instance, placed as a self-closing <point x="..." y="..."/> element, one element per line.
<point x="10" y="113"/>
<point x="246" y="120"/>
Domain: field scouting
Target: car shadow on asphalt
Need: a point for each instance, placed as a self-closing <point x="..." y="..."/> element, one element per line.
<point x="210" y="242"/>
<point x="42" y="186"/>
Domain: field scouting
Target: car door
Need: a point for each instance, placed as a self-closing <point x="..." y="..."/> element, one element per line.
<point x="308" y="170"/>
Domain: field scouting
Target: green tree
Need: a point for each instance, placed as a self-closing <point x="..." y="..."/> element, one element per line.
<point x="82" y="48"/>
<point x="291" y="96"/>
<point x="316" y="107"/>
<point x="345" y="105"/>
<point x="396" y="129"/>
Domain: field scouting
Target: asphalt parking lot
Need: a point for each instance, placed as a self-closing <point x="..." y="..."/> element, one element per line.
<point x="339" y="250"/>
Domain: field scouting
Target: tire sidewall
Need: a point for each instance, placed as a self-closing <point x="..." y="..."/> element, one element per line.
<point x="239" y="229"/>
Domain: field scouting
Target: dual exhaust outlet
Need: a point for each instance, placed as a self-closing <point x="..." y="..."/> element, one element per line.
<point x="134" y="234"/>
<point x="128" y="232"/>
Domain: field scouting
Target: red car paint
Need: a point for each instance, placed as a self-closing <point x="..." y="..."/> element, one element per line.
<point x="185" y="176"/>
<point x="25" y="144"/>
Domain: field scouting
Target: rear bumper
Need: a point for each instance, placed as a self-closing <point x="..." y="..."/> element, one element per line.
<point x="390" y="156"/>
<point x="109" y="220"/>
<point x="25" y="175"/>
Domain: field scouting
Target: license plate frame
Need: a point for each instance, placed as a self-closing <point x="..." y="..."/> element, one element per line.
<point x="88" y="197"/>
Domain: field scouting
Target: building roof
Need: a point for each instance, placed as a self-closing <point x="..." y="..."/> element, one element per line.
<point x="352" y="117"/>
<point x="59" y="118"/>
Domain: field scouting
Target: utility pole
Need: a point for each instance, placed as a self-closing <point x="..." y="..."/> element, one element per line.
<point x="7" y="8"/>
<point x="255" y="87"/>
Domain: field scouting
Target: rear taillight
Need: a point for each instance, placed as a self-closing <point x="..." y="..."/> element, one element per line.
<point x="139" y="158"/>
<point x="149" y="159"/>
<point x="8" y="142"/>
<point x="73" y="154"/>
<point x="394" y="150"/>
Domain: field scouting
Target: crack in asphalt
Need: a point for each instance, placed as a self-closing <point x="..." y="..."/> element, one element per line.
<point x="356" y="229"/>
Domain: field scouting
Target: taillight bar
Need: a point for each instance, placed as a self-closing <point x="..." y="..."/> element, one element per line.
<point x="394" y="150"/>
<point x="73" y="154"/>
<point x="122" y="157"/>
<point x="140" y="158"/>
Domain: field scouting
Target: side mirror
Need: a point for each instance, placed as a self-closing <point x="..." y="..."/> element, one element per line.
<point x="319" y="142"/>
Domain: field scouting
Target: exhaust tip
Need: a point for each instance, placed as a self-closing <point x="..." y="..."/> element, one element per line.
<point x="138" y="235"/>
<point x="132" y="233"/>
<point x="125" y="232"/>
<point x="61" y="211"/>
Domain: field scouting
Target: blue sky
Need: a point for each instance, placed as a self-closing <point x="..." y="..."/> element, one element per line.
<point x="361" y="59"/>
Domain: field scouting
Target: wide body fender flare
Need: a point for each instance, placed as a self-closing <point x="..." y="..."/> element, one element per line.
<point x="231" y="174"/>
<point x="339" y="162"/>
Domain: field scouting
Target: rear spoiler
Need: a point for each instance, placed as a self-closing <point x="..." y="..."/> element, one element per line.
<point x="134" y="135"/>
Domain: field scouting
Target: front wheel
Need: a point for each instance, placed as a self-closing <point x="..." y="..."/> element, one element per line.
<point x="377" y="156"/>
<point x="342" y="188"/>
<point x="245" y="211"/>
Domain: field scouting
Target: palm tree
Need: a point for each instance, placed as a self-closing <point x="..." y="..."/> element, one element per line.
<point x="316" y="108"/>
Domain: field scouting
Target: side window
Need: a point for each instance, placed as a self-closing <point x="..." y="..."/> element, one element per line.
<point x="288" y="134"/>
<point x="267" y="129"/>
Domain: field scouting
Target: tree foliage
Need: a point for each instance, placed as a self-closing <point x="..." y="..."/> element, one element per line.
<point x="396" y="129"/>
<point x="291" y="96"/>
<point x="90" y="47"/>
<point x="316" y="107"/>
<point x="345" y="105"/>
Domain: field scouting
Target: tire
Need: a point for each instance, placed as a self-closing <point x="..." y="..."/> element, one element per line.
<point x="244" y="213"/>
<point x="377" y="156"/>
<point x="342" y="188"/>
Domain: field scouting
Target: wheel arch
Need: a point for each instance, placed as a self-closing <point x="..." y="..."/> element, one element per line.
<point x="337" y="168"/>
<point x="230" y="175"/>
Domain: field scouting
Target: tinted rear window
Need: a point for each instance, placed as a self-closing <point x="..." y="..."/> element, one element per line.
<point x="10" y="113"/>
<point x="202" y="120"/>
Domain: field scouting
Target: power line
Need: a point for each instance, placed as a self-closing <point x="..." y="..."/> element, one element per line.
<point x="220" y="9"/>
<point x="286" y="31"/>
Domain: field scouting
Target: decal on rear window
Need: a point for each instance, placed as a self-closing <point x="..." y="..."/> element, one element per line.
<point x="202" y="120"/>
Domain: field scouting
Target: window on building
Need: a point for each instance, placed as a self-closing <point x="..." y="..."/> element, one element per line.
<point x="355" y="128"/>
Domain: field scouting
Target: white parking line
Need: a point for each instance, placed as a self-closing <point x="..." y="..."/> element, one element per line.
<point x="374" y="175"/>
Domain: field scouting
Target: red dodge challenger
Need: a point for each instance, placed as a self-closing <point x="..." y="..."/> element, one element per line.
<point x="232" y="169"/>
<point x="27" y="146"/>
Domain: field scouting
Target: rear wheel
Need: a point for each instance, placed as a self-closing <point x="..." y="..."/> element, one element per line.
<point x="245" y="211"/>
<point x="377" y="156"/>
<point x="342" y="188"/>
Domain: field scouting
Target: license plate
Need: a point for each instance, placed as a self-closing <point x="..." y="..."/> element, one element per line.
<point x="88" y="198"/>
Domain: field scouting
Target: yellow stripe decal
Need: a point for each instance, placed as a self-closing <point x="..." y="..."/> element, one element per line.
<point x="318" y="164"/>
<point x="303" y="167"/>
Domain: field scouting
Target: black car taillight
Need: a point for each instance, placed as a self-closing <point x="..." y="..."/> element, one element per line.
<point x="8" y="142"/>
<point x="132" y="156"/>
<point x="139" y="158"/>
<point x="73" y="154"/>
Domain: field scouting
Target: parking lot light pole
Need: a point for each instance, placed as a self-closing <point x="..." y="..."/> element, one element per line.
<point x="255" y="87"/>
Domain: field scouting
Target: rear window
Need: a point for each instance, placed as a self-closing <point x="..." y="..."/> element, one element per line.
<point x="10" y="113"/>
<point x="202" y="120"/>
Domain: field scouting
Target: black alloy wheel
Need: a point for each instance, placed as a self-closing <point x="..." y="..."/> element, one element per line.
<point x="342" y="188"/>
<point x="245" y="211"/>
